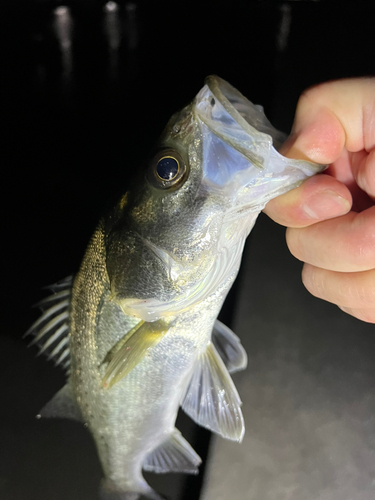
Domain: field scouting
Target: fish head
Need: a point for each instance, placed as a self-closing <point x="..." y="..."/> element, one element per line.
<point x="177" y="236"/>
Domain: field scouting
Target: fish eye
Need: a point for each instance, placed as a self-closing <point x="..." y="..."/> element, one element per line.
<point x="167" y="169"/>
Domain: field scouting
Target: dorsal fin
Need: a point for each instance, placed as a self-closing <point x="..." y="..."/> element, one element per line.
<point x="212" y="400"/>
<point x="174" y="455"/>
<point x="229" y="347"/>
<point x="51" y="330"/>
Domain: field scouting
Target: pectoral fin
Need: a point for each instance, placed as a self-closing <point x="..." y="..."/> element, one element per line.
<point x="110" y="355"/>
<point x="212" y="400"/>
<point x="174" y="455"/>
<point x="228" y="345"/>
<point x="133" y="348"/>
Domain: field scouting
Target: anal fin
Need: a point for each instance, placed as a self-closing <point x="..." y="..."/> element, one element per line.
<point x="212" y="400"/>
<point x="108" y="491"/>
<point x="229" y="347"/>
<point x="62" y="405"/>
<point x="174" y="455"/>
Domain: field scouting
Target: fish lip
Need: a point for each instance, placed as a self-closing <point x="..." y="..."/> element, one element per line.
<point x="254" y="123"/>
<point x="235" y="130"/>
<point x="217" y="86"/>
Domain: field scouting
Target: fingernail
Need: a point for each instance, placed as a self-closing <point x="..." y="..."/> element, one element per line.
<point x="325" y="205"/>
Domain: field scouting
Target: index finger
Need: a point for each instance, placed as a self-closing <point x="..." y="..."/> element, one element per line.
<point x="346" y="244"/>
<point x="318" y="198"/>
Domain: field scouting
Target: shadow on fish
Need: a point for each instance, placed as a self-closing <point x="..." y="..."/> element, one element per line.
<point x="136" y="328"/>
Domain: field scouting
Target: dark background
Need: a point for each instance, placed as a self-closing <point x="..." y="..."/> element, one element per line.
<point x="77" y="120"/>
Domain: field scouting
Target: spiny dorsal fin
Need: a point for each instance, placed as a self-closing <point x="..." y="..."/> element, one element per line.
<point x="229" y="347"/>
<point x="212" y="400"/>
<point x="51" y="330"/>
<point x="174" y="455"/>
<point x="62" y="405"/>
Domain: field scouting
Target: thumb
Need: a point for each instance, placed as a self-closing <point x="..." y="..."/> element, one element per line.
<point x="317" y="134"/>
<point x="331" y="116"/>
<point x="318" y="198"/>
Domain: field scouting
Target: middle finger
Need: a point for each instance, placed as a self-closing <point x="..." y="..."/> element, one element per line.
<point x="345" y="244"/>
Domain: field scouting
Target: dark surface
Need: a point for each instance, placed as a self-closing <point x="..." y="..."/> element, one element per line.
<point x="76" y="125"/>
<point x="308" y="392"/>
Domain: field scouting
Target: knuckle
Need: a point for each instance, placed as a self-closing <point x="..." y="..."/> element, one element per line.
<point x="316" y="281"/>
<point x="307" y="277"/>
<point x="362" y="248"/>
<point x="367" y="315"/>
<point x="292" y="237"/>
<point x="356" y="293"/>
<point x="315" y="93"/>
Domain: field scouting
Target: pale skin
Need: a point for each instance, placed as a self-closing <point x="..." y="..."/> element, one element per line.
<point x="330" y="218"/>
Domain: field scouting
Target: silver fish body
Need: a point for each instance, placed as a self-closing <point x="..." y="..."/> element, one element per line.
<point x="137" y="414"/>
<point x="143" y="334"/>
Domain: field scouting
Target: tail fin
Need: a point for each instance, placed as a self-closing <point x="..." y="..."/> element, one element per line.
<point x="108" y="491"/>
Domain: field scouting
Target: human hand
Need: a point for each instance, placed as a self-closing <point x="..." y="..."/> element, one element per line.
<point x="331" y="217"/>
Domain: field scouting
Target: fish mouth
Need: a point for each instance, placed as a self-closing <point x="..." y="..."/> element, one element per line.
<point x="249" y="118"/>
<point x="240" y="148"/>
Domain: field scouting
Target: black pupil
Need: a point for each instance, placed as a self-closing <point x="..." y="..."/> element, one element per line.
<point x="167" y="168"/>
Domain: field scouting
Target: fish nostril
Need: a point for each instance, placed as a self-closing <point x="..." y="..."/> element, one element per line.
<point x="212" y="102"/>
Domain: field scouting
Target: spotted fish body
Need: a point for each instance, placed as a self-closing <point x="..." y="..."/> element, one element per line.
<point x="143" y="334"/>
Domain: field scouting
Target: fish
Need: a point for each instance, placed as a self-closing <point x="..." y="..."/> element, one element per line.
<point x="136" y="327"/>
